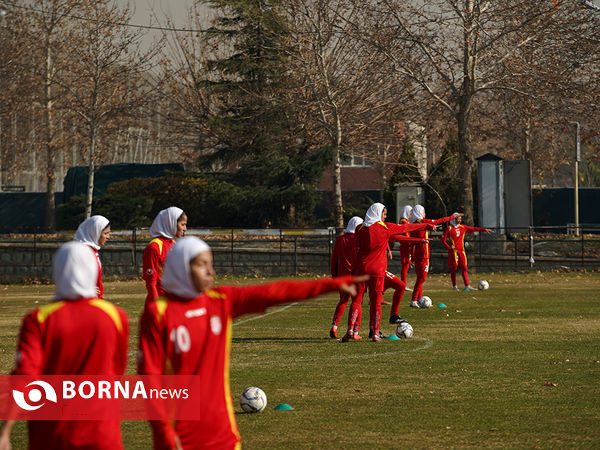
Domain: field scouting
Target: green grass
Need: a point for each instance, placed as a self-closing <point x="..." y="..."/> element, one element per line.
<point x="473" y="376"/>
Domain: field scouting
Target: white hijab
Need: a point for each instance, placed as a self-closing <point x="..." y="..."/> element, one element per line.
<point x="90" y="230"/>
<point x="165" y="223"/>
<point x="405" y="212"/>
<point x="417" y="213"/>
<point x="75" y="272"/>
<point x="353" y="223"/>
<point x="374" y="214"/>
<point x="177" y="275"/>
<point x="453" y="220"/>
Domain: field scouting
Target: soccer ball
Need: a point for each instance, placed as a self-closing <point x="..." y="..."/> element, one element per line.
<point x="253" y="400"/>
<point x="483" y="285"/>
<point x="424" y="302"/>
<point x="404" y="330"/>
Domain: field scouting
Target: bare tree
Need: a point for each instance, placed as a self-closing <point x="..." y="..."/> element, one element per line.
<point x="344" y="94"/>
<point x="109" y="75"/>
<point x="50" y="22"/>
<point x="456" y="51"/>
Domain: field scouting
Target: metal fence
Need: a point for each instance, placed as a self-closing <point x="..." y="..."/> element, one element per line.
<point x="294" y="251"/>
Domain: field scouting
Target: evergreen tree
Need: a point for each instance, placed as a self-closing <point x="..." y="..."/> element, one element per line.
<point x="256" y="136"/>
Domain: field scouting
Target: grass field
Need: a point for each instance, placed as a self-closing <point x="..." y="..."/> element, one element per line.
<point x="517" y="366"/>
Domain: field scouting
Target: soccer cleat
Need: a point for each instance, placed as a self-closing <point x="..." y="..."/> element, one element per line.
<point x="414" y="304"/>
<point x="333" y="333"/>
<point x="376" y="339"/>
<point x="408" y="289"/>
<point x="347" y="337"/>
<point x="381" y="335"/>
<point x="455" y="288"/>
<point x="356" y="337"/>
<point x="468" y="289"/>
<point x="395" y="320"/>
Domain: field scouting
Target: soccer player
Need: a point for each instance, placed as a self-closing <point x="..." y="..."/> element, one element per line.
<point x="94" y="232"/>
<point x="405" y="247"/>
<point x="373" y="238"/>
<point x="203" y="315"/>
<point x="455" y="232"/>
<point x="421" y="251"/>
<point x="343" y="257"/>
<point x="399" y="286"/>
<point x="75" y="334"/>
<point x="169" y="224"/>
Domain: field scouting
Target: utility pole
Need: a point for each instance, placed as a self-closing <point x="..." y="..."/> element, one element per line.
<point x="577" y="159"/>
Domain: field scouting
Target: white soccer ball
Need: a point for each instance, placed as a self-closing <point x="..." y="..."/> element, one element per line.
<point x="404" y="330"/>
<point x="424" y="302"/>
<point x="483" y="285"/>
<point x="253" y="400"/>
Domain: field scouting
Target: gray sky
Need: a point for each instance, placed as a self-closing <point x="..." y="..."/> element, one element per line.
<point x="146" y="12"/>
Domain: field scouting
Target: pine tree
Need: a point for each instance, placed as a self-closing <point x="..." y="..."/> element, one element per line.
<point x="256" y="137"/>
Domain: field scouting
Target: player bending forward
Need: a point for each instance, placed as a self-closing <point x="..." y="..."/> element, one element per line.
<point x="188" y="278"/>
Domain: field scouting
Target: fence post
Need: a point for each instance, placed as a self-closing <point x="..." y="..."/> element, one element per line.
<point x="35" y="248"/>
<point x="582" y="249"/>
<point x="134" y="250"/>
<point x="295" y="255"/>
<point x="480" y="254"/>
<point x="531" y="260"/>
<point x="516" y="240"/>
<point x="231" y="253"/>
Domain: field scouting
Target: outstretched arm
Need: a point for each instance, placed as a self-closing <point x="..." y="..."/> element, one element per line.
<point x="255" y="299"/>
<point x="447" y="219"/>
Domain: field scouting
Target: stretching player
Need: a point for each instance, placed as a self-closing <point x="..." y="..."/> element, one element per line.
<point x="399" y="286"/>
<point x="205" y="349"/>
<point x="94" y="232"/>
<point x="373" y="237"/>
<point x="75" y="334"/>
<point x="455" y="232"/>
<point x="343" y="258"/>
<point x="169" y="224"/>
<point x="405" y="247"/>
<point x="421" y="251"/>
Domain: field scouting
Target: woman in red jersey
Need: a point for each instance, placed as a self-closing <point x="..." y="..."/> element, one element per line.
<point x="343" y="257"/>
<point x="405" y="248"/>
<point x="373" y="237"/>
<point x="202" y="315"/>
<point x="420" y="254"/>
<point x="455" y="232"/>
<point x="75" y="334"/>
<point x="169" y="224"/>
<point x="94" y="232"/>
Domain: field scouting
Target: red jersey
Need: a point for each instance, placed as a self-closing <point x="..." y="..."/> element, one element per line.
<point x="457" y="236"/>
<point x="99" y="285"/>
<point x="155" y="254"/>
<point x="74" y="337"/>
<point x="421" y="251"/>
<point x="405" y="247"/>
<point x="343" y="256"/>
<point x="183" y="337"/>
<point x="373" y="245"/>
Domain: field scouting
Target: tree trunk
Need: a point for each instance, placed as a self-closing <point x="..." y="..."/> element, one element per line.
<point x="465" y="168"/>
<point x="49" y="220"/>
<point x="338" y="207"/>
<point x="337" y="174"/>
<point x="91" y="168"/>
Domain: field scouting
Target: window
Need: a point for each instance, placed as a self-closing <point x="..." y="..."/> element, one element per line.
<point x="354" y="158"/>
